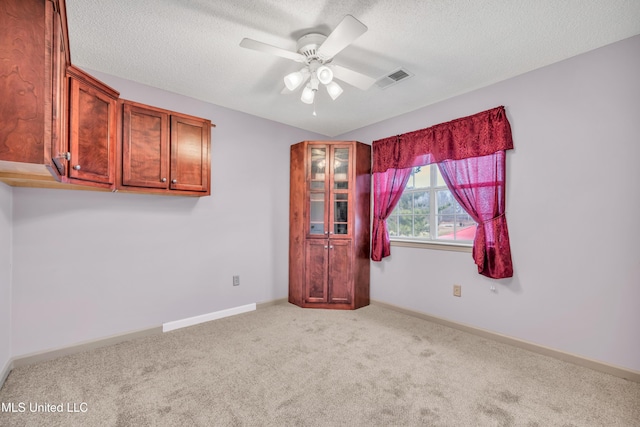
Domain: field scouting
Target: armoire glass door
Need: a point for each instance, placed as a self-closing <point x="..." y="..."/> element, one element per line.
<point x="317" y="191"/>
<point x="339" y="193"/>
<point x="329" y="188"/>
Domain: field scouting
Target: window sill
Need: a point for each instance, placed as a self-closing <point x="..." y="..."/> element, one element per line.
<point x="455" y="247"/>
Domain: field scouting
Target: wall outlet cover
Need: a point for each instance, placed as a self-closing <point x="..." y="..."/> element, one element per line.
<point x="457" y="290"/>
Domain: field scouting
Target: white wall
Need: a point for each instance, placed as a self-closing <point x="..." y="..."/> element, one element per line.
<point x="5" y="275"/>
<point x="573" y="209"/>
<point x="88" y="264"/>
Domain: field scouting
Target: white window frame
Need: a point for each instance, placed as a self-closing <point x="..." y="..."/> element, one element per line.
<point x="431" y="243"/>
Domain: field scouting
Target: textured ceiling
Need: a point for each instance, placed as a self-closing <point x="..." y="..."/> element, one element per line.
<point x="451" y="47"/>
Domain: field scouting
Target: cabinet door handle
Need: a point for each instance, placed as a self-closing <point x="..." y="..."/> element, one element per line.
<point x="77" y="167"/>
<point x="325" y="246"/>
<point x="330" y="247"/>
<point x="174" y="181"/>
<point x="66" y="156"/>
<point x="164" y="180"/>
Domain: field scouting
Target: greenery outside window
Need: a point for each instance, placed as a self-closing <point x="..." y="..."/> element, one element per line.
<point x="428" y="212"/>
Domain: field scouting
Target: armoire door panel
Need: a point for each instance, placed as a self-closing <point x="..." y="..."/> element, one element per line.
<point x="316" y="261"/>
<point x="340" y="190"/>
<point x="340" y="277"/>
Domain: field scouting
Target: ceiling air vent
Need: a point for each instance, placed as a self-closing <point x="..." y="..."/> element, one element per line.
<point x="393" y="78"/>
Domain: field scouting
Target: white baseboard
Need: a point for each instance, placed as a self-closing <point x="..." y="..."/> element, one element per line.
<point x="266" y="304"/>
<point x="596" y="365"/>
<point x="41" y="356"/>
<point x="4" y="373"/>
<point x="177" y="324"/>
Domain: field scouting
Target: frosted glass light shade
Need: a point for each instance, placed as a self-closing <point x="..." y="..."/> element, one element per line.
<point x="325" y="75"/>
<point x="293" y="80"/>
<point x="334" y="90"/>
<point x="307" y="95"/>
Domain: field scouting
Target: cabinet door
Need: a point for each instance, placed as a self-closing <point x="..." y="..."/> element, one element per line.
<point x="59" y="142"/>
<point x="24" y="81"/>
<point x="316" y="267"/>
<point x="340" y="192"/>
<point x="339" y="273"/>
<point x="318" y="200"/>
<point x="329" y="189"/>
<point x="92" y="126"/>
<point x="190" y="161"/>
<point x="145" y="147"/>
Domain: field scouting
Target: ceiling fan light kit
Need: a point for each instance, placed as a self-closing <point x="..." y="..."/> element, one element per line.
<point x="324" y="74"/>
<point x="319" y="74"/>
<point x="334" y="90"/>
<point x="308" y="95"/>
<point x="316" y="51"/>
<point x="309" y="92"/>
<point x="293" y="80"/>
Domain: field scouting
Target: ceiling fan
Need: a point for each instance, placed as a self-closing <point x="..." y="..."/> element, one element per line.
<point x="316" y="51"/>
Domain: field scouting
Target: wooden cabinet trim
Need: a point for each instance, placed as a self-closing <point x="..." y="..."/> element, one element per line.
<point x="80" y="75"/>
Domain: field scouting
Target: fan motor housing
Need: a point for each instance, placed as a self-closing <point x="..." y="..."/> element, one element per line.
<point x="308" y="45"/>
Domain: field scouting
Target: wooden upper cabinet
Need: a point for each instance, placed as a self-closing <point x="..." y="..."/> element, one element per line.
<point x="61" y="126"/>
<point x="164" y="152"/>
<point x="92" y="131"/>
<point x="30" y="33"/>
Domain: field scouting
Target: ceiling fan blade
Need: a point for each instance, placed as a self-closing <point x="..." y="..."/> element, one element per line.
<point x="354" y="78"/>
<point x="342" y="36"/>
<point x="267" y="48"/>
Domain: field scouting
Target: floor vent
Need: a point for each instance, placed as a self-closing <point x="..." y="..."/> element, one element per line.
<point x="393" y="78"/>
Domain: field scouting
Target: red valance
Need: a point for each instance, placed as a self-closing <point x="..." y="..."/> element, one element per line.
<point x="478" y="135"/>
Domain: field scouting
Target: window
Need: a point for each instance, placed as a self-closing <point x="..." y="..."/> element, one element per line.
<point x="428" y="212"/>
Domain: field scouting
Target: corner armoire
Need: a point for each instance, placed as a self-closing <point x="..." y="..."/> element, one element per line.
<point x="329" y="224"/>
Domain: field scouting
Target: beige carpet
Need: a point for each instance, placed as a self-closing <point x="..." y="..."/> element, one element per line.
<point x="287" y="366"/>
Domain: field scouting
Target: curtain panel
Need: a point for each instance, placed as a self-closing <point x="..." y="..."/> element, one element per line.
<point x="478" y="184"/>
<point x="387" y="190"/>
<point x="470" y="153"/>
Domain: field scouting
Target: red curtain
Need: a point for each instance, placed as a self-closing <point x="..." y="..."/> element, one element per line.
<point x="474" y="137"/>
<point x="478" y="184"/>
<point x="388" y="187"/>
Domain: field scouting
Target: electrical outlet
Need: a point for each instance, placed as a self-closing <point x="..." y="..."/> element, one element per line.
<point x="236" y="280"/>
<point x="457" y="290"/>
